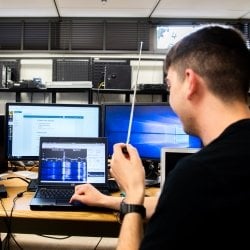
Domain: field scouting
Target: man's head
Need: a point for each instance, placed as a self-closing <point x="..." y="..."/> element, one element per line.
<point x="219" y="55"/>
<point x="208" y="72"/>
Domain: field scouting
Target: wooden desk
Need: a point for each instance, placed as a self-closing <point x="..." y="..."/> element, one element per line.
<point x="75" y="223"/>
<point x="24" y="220"/>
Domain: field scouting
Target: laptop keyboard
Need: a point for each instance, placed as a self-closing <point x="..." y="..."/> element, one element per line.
<point x="51" y="193"/>
<point x="61" y="193"/>
<point x="112" y="186"/>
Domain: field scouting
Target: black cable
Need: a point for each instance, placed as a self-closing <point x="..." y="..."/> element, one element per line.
<point x="57" y="10"/>
<point x="98" y="243"/>
<point x="100" y="86"/>
<point x="21" y="178"/>
<point x="6" y="219"/>
<point x="8" y="222"/>
<point x="150" y="15"/>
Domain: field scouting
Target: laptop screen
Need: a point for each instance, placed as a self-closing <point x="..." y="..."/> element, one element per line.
<point x="170" y="157"/>
<point x="72" y="160"/>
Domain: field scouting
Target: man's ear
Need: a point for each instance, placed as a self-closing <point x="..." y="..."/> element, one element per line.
<point x="192" y="81"/>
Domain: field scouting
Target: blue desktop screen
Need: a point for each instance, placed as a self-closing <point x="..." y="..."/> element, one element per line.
<point x="154" y="126"/>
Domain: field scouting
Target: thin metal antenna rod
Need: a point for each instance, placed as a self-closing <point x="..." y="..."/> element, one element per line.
<point x="134" y="96"/>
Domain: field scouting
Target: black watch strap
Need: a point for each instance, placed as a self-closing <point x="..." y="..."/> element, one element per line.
<point x="131" y="208"/>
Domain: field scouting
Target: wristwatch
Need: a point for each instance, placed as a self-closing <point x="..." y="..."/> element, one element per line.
<point x="131" y="208"/>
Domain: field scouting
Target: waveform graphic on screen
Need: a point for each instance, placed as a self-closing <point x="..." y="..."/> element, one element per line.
<point x="67" y="165"/>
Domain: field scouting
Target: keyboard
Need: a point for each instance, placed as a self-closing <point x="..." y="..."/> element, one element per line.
<point x="55" y="193"/>
<point x="112" y="186"/>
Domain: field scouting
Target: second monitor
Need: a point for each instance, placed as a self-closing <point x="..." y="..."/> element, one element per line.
<point x="155" y="125"/>
<point x="27" y="122"/>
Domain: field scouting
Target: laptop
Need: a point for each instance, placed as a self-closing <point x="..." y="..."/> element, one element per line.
<point x="65" y="162"/>
<point x="170" y="157"/>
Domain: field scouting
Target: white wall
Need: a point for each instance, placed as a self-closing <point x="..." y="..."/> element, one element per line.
<point x="33" y="68"/>
<point x="148" y="71"/>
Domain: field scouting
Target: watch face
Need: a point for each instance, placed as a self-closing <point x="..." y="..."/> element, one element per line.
<point x="123" y="208"/>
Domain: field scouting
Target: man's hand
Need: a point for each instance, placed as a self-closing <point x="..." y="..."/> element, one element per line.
<point x="89" y="195"/>
<point x="129" y="172"/>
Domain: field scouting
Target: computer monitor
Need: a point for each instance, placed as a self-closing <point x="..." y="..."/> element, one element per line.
<point x="170" y="157"/>
<point x="3" y="161"/>
<point x="155" y="125"/>
<point x="27" y="122"/>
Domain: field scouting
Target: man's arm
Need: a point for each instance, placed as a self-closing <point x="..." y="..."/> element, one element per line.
<point x="88" y="194"/>
<point x="131" y="232"/>
<point x="129" y="172"/>
<point x="150" y="205"/>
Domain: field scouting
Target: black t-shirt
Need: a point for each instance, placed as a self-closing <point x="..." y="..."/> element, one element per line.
<point x="206" y="197"/>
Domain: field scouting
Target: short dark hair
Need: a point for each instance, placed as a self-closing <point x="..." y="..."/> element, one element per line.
<point x="220" y="55"/>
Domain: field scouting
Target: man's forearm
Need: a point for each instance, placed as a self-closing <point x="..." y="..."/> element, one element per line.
<point x="150" y="205"/>
<point x="112" y="202"/>
<point x="131" y="232"/>
<point x="115" y="202"/>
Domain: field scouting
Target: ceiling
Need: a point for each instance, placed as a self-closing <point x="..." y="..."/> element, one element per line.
<point x="216" y="9"/>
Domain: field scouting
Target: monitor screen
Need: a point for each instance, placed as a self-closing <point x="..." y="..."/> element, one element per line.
<point x="154" y="126"/>
<point x="169" y="159"/>
<point x="3" y="162"/>
<point x="27" y="122"/>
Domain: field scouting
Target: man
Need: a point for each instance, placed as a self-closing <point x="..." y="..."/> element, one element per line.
<point x="206" y="198"/>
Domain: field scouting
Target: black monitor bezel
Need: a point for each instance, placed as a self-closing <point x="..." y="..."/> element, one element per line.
<point x="36" y="158"/>
<point x="3" y="161"/>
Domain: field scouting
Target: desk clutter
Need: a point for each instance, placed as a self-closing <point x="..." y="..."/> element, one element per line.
<point x="15" y="207"/>
<point x="104" y="73"/>
<point x="17" y="220"/>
